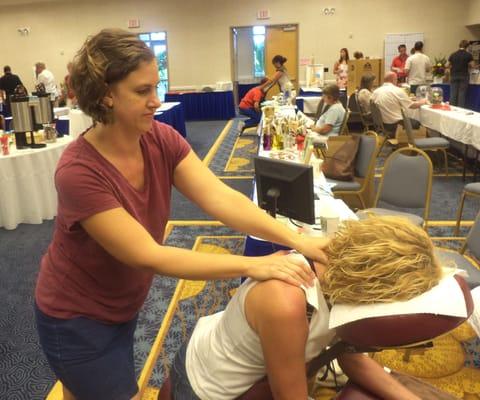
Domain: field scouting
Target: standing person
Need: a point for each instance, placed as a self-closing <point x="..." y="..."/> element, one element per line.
<point x="281" y="75"/>
<point x="417" y="66"/>
<point x="459" y="63"/>
<point x="398" y="64"/>
<point x="114" y="186"/>
<point x="340" y="69"/>
<point x="330" y="122"/>
<point x="250" y="104"/>
<point x="45" y="77"/>
<point x="68" y="95"/>
<point x="8" y="83"/>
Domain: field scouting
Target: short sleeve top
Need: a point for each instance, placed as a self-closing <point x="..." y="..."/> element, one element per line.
<point x="77" y="276"/>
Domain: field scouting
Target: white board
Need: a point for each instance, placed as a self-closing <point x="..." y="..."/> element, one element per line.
<point x="393" y="40"/>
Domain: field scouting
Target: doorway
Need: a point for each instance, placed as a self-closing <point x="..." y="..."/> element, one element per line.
<point x="157" y="41"/>
<point x="253" y="48"/>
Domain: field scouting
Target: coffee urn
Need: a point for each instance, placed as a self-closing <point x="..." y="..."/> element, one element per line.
<point x="22" y="118"/>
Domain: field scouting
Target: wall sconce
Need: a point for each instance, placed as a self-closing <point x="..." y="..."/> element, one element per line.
<point x="329" y="11"/>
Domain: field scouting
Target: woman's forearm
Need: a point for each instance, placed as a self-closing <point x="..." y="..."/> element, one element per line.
<point x="188" y="264"/>
<point x="367" y="373"/>
<point x="238" y="212"/>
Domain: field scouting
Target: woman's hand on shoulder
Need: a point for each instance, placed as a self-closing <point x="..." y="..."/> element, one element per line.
<point x="313" y="248"/>
<point x="282" y="266"/>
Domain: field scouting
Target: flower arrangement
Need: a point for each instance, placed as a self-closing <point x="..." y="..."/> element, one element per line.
<point x="439" y="67"/>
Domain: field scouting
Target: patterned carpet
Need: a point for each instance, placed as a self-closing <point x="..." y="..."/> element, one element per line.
<point x="24" y="373"/>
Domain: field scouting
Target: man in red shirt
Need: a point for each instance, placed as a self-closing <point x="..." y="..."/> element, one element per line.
<point x="398" y="63"/>
<point x="250" y="104"/>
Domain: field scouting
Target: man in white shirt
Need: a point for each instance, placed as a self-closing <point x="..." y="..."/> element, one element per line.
<point x="390" y="99"/>
<point x="46" y="77"/>
<point x="417" y="67"/>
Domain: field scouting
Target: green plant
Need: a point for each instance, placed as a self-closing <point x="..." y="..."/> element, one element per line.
<point x="439" y="66"/>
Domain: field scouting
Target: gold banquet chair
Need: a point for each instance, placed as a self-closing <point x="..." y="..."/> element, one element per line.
<point x="428" y="143"/>
<point x="364" y="169"/>
<point x="471" y="190"/>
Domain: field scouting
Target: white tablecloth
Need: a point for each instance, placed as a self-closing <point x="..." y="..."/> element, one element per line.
<point x="79" y="122"/>
<point x="458" y="123"/>
<point x="310" y="104"/>
<point x="27" y="190"/>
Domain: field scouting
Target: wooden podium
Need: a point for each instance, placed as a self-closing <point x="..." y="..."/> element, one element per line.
<point x="357" y="68"/>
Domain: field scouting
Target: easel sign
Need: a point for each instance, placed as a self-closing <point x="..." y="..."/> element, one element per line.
<point x="315" y="76"/>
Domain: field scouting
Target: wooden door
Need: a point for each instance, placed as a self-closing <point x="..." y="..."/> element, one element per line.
<point x="282" y="40"/>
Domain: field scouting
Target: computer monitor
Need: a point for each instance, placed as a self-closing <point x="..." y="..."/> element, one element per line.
<point x="285" y="188"/>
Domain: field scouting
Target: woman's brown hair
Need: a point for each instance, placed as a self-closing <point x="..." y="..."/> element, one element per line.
<point x="104" y="59"/>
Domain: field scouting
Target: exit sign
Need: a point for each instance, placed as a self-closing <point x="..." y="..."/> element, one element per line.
<point x="263" y="14"/>
<point x="133" y="23"/>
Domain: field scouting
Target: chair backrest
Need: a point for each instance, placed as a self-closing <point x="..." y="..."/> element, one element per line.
<point x="377" y="118"/>
<point x="321" y="109"/>
<point x="353" y="105"/>
<point x="344" y="128"/>
<point x="366" y="155"/>
<point x="407" y="125"/>
<point x="406" y="181"/>
<point x="473" y="239"/>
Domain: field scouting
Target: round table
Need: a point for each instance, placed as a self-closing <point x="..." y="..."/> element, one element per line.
<point x="27" y="189"/>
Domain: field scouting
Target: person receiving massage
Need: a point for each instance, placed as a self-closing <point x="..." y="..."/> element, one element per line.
<point x="265" y="331"/>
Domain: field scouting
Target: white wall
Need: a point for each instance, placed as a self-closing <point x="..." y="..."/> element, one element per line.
<point x="473" y="12"/>
<point x="199" y="36"/>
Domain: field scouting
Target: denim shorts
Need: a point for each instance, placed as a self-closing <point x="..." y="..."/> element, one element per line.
<point x="93" y="360"/>
<point x="181" y="388"/>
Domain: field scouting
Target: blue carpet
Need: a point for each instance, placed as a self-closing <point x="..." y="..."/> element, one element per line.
<point x="24" y="373"/>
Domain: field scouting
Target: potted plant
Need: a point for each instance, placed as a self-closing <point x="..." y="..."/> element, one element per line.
<point x="439" y="69"/>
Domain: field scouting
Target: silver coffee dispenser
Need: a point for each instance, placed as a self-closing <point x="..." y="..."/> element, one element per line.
<point x="22" y="117"/>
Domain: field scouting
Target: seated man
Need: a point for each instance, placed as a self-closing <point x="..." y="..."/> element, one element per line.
<point x="250" y="104"/>
<point x="390" y="99"/>
<point x="330" y="122"/>
<point x="265" y="330"/>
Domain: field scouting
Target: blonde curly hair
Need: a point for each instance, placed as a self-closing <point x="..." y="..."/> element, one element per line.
<point x="379" y="260"/>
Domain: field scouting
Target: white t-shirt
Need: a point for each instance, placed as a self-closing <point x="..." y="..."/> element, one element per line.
<point x="333" y="116"/>
<point x="418" y="65"/>
<point x="224" y="355"/>
<point x="48" y="80"/>
<point x="390" y="99"/>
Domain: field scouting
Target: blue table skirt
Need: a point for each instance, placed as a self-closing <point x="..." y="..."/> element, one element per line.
<point x="299" y="103"/>
<point x="256" y="248"/>
<point x="473" y="95"/>
<point x="174" y="117"/>
<point x="307" y="93"/>
<point x="204" y="106"/>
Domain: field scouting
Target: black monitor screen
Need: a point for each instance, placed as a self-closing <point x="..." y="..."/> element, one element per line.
<point x="285" y="188"/>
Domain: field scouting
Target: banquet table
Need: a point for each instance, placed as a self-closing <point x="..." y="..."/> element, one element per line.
<point x="204" y="106"/>
<point x="77" y="122"/>
<point x="473" y="95"/>
<point x="173" y="115"/>
<point x="309" y="104"/>
<point x="28" y="192"/>
<point x="458" y="124"/>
